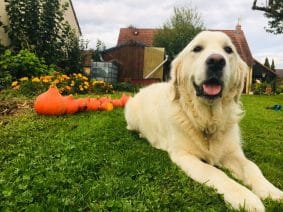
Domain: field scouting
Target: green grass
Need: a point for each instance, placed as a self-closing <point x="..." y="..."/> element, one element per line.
<point x="89" y="161"/>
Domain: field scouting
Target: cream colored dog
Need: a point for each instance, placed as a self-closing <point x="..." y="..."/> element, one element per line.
<point x="195" y="116"/>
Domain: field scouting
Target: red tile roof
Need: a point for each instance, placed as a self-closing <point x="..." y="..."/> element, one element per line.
<point x="239" y="40"/>
<point x="140" y="35"/>
<point x="146" y="36"/>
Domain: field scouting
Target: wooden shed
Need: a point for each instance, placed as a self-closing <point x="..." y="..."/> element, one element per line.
<point x="136" y="61"/>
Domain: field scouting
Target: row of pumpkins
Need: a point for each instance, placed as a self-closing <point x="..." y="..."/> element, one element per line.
<point x="52" y="102"/>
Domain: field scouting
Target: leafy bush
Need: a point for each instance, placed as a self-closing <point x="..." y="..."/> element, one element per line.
<point x="125" y="86"/>
<point x="259" y="88"/>
<point x="5" y="79"/>
<point x="23" y="64"/>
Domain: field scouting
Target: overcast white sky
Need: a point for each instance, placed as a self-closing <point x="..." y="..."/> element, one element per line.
<point x="102" y="19"/>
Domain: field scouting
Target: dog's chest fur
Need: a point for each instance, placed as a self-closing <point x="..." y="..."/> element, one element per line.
<point x="206" y="126"/>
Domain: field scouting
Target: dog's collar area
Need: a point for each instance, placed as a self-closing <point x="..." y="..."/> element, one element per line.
<point x="210" y="89"/>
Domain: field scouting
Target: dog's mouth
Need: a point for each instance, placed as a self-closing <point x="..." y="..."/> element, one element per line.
<point x="210" y="89"/>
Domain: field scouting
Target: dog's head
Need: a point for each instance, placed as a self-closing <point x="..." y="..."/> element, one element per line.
<point x="209" y="67"/>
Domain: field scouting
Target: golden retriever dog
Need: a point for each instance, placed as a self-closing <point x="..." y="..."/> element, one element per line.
<point x="195" y="116"/>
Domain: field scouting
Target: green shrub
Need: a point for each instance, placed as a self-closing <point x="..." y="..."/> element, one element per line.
<point x="125" y="86"/>
<point x="259" y="88"/>
<point x="23" y="64"/>
<point x="5" y="79"/>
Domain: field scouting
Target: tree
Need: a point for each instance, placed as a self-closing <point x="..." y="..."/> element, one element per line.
<point x="274" y="12"/>
<point x="272" y="65"/>
<point x="100" y="46"/>
<point x="178" y="31"/>
<point x="266" y="63"/>
<point x="39" y="26"/>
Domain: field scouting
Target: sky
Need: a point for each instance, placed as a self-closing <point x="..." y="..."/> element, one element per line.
<point x="102" y="19"/>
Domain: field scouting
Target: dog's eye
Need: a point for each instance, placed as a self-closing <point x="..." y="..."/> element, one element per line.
<point x="228" y="49"/>
<point x="198" y="49"/>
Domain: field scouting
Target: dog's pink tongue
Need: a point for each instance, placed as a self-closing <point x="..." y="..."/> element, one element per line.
<point x="212" y="89"/>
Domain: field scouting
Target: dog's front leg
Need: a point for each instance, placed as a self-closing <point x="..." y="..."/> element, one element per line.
<point x="248" y="172"/>
<point x="234" y="193"/>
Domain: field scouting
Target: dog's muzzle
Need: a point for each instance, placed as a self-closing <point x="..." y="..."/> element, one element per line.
<point x="212" y="87"/>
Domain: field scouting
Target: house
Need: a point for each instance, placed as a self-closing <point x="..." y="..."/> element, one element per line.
<point x="70" y="17"/>
<point x="139" y="62"/>
<point x="145" y="37"/>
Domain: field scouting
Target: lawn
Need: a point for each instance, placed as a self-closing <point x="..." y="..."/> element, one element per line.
<point x="90" y="162"/>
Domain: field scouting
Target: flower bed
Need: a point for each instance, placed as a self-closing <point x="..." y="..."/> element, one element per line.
<point x="72" y="84"/>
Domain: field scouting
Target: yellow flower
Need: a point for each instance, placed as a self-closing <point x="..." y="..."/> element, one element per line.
<point x="45" y="80"/>
<point x="68" y="88"/>
<point x="86" y="83"/>
<point x="81" y="88"/>
<point x="14" y="83"/>
<point x="24" y="79"/>
<point x="16" y="87"/>
<point x="56" y="81"/>
<point x="80" y="75"/>
<point x="86" y="87"/>
<point x="85" y="78"/>
<point x="36" y="79"/>
<point x="73" y="83"/>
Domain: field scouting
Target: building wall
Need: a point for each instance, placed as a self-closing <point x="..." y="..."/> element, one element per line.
<point x="69" y="16"/>
<point x="130" y="59"/>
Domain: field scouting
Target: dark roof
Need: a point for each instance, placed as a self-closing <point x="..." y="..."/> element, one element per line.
<point x="142" y="35"/>
<point x="146" y="36"/>
<point x="279" y="73"/>
<point x="264" y="68"/>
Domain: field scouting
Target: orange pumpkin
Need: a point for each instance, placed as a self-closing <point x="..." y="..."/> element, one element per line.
<point x="50" y="102"/>
<point x="117" y="103"/>
<point x="82" y="104"/>
<point x="72" y="105"/>
<point x="124" y="98"/>
<point x="107" y="106"/>
<point x="93" y="104"/>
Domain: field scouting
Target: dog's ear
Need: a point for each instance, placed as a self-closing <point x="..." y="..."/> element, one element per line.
<point x="242" y="71"/>
<point x="175" y="77"/>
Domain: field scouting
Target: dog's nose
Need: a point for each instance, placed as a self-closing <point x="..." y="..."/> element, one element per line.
<point x="215" y="62"/>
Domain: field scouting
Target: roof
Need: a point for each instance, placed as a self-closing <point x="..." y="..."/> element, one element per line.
<point x="239" y="40"/>
<point x="279" y="73"/>
<point x="126" y="43"/>
<point x="264" y="68"/>
<point x="146" y="35"/>
<point x="142" y="35"/>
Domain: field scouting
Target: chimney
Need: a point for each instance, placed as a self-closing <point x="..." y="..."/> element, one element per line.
<point x="238" y="27"/>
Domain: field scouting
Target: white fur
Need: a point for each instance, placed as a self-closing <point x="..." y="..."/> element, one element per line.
<point x="193" y="130"/>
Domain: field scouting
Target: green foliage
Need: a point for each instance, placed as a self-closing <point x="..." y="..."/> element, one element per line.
<point x="5" y="79"/>
<point x="272" y="65"/>
<point x="127" y="87"/>
<point x="259" y="88"/>
<point x="100" y="46"/>
<point x="266" y="63"/>
<point x="39" y="26"/>
<point x="274" y="12"/>
<point x="90" y="162"/>
<point x="176" y="33"/>
<point x="23" y="64"/>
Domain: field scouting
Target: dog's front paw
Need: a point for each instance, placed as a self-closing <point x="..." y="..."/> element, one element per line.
<point x="269" y="191"/>
<point x="242" y="198"/>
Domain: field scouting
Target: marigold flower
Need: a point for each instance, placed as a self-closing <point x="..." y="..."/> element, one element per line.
<point x="24" y="79"/>
<point x="68" y="88"/>
<point x="56" y="81"/>
<point x="36" y="79"/>
<point x="15" y="83"/>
